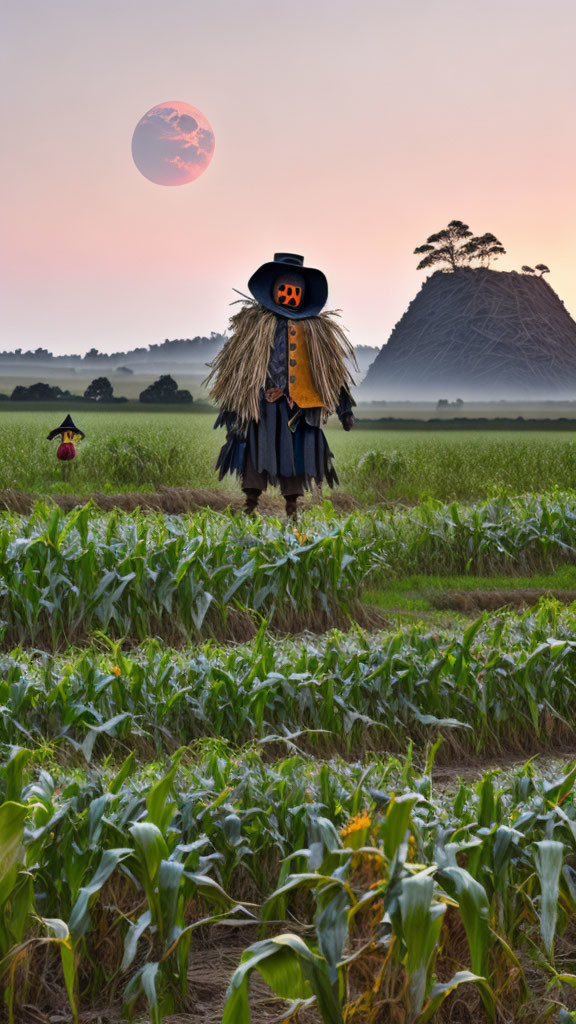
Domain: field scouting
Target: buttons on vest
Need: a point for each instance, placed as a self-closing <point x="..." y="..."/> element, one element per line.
<point x="301" y="385"/>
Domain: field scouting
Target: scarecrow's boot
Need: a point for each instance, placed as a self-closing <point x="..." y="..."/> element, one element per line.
<point x="291" y="507"/>
<point x="251" y="503"/>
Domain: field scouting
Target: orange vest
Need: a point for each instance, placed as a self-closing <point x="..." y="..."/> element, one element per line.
<point x="300" y="384"/>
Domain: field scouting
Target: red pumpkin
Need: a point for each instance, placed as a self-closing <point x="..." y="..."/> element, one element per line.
<point x="66" y="451"/>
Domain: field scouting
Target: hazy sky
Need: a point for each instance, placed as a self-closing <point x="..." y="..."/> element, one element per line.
<point x="344" y="131"/>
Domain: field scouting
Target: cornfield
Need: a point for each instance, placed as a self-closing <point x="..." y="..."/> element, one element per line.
<point x="180" y="770"/>
<point x="64" y="576"/>
<point x="109" y="876"/>
<point x="495" y="685"/>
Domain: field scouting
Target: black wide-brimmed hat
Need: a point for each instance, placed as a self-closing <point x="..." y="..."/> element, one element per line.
<point x="67" y="424"/>
<point x="315" y="292"/>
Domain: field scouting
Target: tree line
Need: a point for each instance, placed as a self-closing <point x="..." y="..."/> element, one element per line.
<point x="192" y="348"/>
<point x="164" y="391"/>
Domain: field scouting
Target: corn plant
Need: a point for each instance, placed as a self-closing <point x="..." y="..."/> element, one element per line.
<point x="128" y="851"/>
<point x="499" y="682"/>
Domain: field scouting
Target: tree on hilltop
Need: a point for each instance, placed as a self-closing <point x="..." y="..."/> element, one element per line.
<point x="539" y="266"/>
<point x="456" y="246"/>
<point x="445" y="246"/>
<point x="484" y="248"/>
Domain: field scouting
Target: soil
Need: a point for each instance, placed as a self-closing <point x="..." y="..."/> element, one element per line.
<point x="474" y="601"/>
<point x="175" y="500"/>
<point x="210" y="968"/>
<point x="471" y="768"/>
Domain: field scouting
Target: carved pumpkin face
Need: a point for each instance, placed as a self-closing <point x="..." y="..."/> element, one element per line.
<point x="289" y="291"/>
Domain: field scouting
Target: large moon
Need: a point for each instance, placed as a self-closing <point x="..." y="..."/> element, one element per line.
<point x="173" y="143"/>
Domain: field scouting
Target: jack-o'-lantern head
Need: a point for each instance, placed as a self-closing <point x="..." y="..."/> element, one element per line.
<point x="285" y="286"/>
<point x="288" y="290"/>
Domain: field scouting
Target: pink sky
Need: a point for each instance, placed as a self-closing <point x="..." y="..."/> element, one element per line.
<point x="344" y="132"/>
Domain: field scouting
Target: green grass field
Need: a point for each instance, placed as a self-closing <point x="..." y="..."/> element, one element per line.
<point x="141" y="450"/>
<point x="232" y="749"/>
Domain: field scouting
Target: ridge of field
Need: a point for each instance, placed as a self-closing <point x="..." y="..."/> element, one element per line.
<point x="426" y="592"/>
<point x="142" y="451"/>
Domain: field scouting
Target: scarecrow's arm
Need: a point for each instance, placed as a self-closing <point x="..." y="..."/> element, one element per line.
<point x="344" y="408"/>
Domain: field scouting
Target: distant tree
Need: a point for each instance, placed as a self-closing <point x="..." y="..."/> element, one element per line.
<point x="446" y="246"/>
<point x="165" y="390"/>
<point x="543" y="269"/>
<point x="456" y="246"/>
<point x="183" y="396"/>
<point x="92" y="354"/>
<point x="99" y="390"/>
<point x="162" y="390"/>
<point x="123" y="369"/>
<point x="527" y="270"/>
<point x="484" y="248"/>
<point x="444" y="403"/>
<point x="19" y="394"/>
<point x="39" y="392"/>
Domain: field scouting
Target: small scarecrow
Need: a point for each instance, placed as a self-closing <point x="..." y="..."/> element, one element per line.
<point x="69" y="434"/>
<point x="277" y="379"/>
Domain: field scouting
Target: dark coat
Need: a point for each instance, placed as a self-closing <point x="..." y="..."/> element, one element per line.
<point x="286" y="441"/>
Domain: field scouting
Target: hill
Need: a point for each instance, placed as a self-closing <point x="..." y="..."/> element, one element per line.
<point x="478" y="332"/>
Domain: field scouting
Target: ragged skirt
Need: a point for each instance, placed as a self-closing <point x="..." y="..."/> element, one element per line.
<point x="275" y="450"/>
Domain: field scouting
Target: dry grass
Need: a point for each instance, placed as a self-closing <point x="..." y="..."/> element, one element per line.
<point x="213" y="959"/>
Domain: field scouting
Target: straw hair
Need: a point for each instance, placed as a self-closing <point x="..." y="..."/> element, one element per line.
<point x="238" y="373"/>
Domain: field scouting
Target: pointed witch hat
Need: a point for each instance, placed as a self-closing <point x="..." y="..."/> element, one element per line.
<point x="66" y="425"/>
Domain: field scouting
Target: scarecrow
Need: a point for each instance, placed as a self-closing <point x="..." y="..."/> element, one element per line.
<point x="69" y="434"/>
<point x="277" y="379"/>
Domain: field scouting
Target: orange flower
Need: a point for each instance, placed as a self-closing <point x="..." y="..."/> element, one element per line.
<point x="116" y="670"/>
<point x="362" y="820"/>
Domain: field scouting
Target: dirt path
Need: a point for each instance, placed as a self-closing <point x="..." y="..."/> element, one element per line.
<point x="175" y="500"/>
